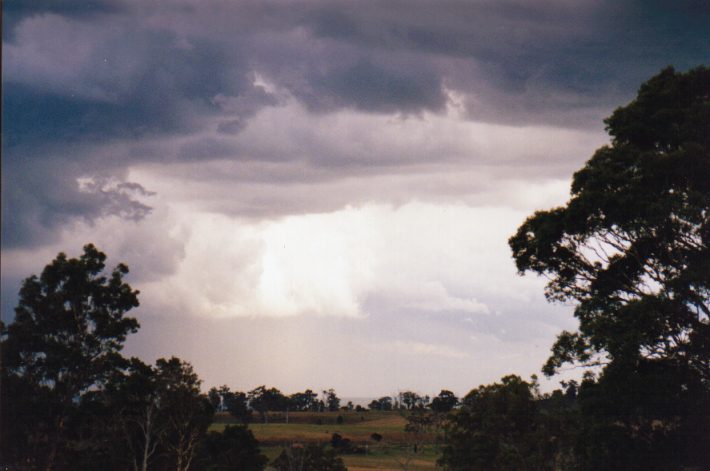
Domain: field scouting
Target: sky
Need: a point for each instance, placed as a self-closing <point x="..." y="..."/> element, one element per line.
<point x="316" y="194"/>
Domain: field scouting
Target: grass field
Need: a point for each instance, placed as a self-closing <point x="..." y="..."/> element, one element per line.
<point x="313" y="427"/>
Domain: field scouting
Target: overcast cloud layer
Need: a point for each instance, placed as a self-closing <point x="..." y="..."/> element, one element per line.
<point x="318" y="194"/>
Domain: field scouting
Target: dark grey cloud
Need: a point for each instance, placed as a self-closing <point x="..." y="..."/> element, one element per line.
<point x="162" y="88"/>
<point x="14" y="11"/>
<point x="382" y="57"/>
<point x="41" y="196"/>
<point x="555" y="62"/>
<point x="118" y="73"/>
<point x="375" y="87"/>
<point x="525" y="63"/>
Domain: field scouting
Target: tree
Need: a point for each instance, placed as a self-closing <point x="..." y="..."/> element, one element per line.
<point x="158" y="415"/>
<point x="264" y="400"/>
<point x="215" y="396"/>
<point x="497" y="428"/>
<point x="444" y="402"/>
<point x="135" y="418"/>
<point x="234" y="448"/>
<point x="187" y="413"/>
<point x="332" y="401"/>
<point x="234" y="402"/>
<point x="304" y="401"/>
<point x="66" y="339"/>
<point x="630" y="248"/>
<point x="383" y="403"/>
<point x="410" y="399"/>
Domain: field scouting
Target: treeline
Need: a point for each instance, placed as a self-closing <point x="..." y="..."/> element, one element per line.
<point x="262" y="400"/>
<point x="409" y="400"/>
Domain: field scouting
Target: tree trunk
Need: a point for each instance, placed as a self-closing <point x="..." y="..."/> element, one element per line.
<point x="146" y="434"/>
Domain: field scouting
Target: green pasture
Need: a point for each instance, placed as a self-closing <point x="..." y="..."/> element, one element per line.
<point x="318" y="427"/>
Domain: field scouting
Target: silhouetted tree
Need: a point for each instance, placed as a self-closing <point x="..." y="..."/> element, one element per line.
<point x="215" y="397"/>
<point x="264" y="400"/>
<point x="497" y="428"/>
<point x="631" y="249"/>
<point x="332" y="401"/>
<point x="444" y="402"/>
<point x="186" y="411"/>
<point x="235" y="448"/>
<point x="236" y="403"/>
<point x="383" y="403"/>
<point x="409" y="399"/>
<point x="135" y="421"/>
<point x="65" y="340"/>
<point x="304" y="401"/>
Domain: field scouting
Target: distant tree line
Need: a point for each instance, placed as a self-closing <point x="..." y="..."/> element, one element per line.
<point x="262" y="400"/>
<point x="409" y="400"/>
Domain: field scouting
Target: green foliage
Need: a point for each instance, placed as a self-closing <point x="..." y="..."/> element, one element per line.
<point x="444" y="402"/>
<point x="264" y="400"/>
<point x="69" y="325"/>
<point x="234" y="402"/>
<point x="631" y="248"/>
<point x="65" y="341"/>
<point x="304" y="401"/>
<point x="383" y="403"/>
<point x="497" y="428"/>
<point x="155" y="416"/>
<point x="70" y="400"/>
<point x="234" y="448"/>
<point x="331" y="400"/>
<point x="410" y="400"/>
<point x="651" y="417"/>
<point x="187" y="413"/>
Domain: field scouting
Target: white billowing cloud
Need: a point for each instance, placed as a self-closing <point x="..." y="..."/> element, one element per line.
<point x="433" y="296"/>
<point x="417" y="256"/>
<point x="420" y="348"/>
<point x="318" y="263"/>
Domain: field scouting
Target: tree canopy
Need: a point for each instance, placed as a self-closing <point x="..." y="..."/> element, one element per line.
<point x="496" y="429"/>
<point x="65" y="340"/>
<point x="444" y="402"/>
<point x="631" y="249"/>
<point x="631" y="245"/>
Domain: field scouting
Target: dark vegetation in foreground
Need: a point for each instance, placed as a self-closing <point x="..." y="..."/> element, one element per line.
<point x="630" y="249"/>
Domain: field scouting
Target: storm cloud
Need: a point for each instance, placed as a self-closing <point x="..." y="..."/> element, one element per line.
<point x="127" y="71"/>
<point x="300" y="159"/>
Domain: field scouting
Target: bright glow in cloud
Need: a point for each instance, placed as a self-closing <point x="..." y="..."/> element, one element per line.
<point x="418" y="256"/>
